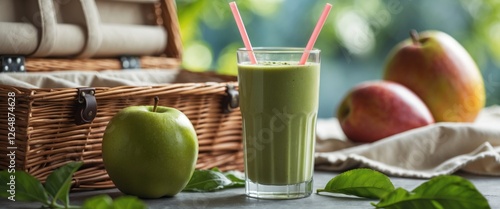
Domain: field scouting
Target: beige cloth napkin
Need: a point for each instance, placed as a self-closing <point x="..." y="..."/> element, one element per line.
<point x="74" y="79"/>
<point x="441" y="148"/>
<point x="109" y="78"/>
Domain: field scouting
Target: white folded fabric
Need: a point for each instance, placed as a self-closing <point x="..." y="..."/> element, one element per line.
<point x="108" y="78"/>
<point x="437" y="149"/>
<point x="74" y="79"/>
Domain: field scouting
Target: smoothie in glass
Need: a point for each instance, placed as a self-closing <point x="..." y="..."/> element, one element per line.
<point x="279" y="103"/>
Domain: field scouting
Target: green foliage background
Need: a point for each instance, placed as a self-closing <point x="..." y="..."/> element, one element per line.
<point x="354" y="42"/>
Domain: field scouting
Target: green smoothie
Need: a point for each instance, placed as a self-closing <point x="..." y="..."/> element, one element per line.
<point x="279" y="104"/>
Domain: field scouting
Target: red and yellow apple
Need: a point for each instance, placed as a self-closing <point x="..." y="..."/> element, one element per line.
<point x="373" y="110"/>
<point x="440" y="71"/>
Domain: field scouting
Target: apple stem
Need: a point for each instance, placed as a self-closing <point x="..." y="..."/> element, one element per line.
<point x="414" y="37"/>
<point x="157" y="99"/>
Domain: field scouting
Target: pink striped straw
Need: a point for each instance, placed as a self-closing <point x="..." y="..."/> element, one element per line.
<point x="243" y="32"/>
<point x="315" y="33"/>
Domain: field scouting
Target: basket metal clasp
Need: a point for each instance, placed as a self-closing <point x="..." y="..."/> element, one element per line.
<point x="130" y="62"/>
<point x="86" y="106"/>
<point x="231" y="100"/>
<point x="12" y="64"/>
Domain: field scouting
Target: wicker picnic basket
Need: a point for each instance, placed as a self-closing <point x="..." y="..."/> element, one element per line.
<point x="54" y="126"/>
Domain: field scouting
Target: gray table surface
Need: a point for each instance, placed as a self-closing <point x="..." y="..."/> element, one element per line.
<point x="235" y="198"/>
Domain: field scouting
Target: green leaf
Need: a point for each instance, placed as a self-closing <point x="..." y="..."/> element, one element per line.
<point x="360" y="182"/>
<point x="211" y="180"/>
<point x="238" y="179"/>
<point x="129" y="202"/>
<point x="215" y="169"/>
<point x="105" y="202"/>
<point x="58" y="183"/>
<point x="398" y="195"/>
<point x="207" y="180"/>
<point x="27" y="187"/>
<point x="98" y="202"/>
<point x="439" y="192"/>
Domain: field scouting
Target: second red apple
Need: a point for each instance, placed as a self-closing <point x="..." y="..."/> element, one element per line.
<point x="374" y="110"/>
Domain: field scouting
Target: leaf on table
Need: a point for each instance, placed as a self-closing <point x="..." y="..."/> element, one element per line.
<point x="237" y="177"/>
<point x="399" y="195"/>
<point x="58" y="183"/>
<point x="439" y="192"/>
<point x="105" y="202"/>
<point x="27" y="187"/>
<point x="98" y="202"/>
<point x="360" y="182"/>
<point x="211" y="180"/>
<point x="207" y="180"/>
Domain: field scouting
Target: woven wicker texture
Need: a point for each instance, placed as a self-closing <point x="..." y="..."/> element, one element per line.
<point x="47" y="138"/>
<point x="48" y="65"/>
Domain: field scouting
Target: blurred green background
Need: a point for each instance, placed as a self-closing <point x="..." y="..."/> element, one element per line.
<point x="354" y="41"/>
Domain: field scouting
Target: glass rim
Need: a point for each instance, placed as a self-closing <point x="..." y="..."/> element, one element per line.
<point x="279" y="50"/>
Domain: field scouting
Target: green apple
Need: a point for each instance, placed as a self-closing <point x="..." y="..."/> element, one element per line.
<point x="373" y="110"/>
<point x="150" y="151"/>
<point x="441" y="72"/>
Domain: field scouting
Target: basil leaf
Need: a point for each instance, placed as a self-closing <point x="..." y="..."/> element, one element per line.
<point x="207" y="180"/>
<point x="105" y="202"/>
<point x="360" y="182"/>
<point x="439" y="192"/>
<point x="26" y="187"/>
<point x="211" y="180"/>
<point x="98" y="202"/>
<point x="58" y="183"/>
<point x="399" y="195"/>
<point x="238" y="179"/>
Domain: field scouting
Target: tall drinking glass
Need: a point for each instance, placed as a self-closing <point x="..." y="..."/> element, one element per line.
<point x="279" y="105"/>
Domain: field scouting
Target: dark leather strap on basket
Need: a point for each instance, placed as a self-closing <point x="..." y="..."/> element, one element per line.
<point x="86" y="106"/>
<point x="231" y="100"/>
